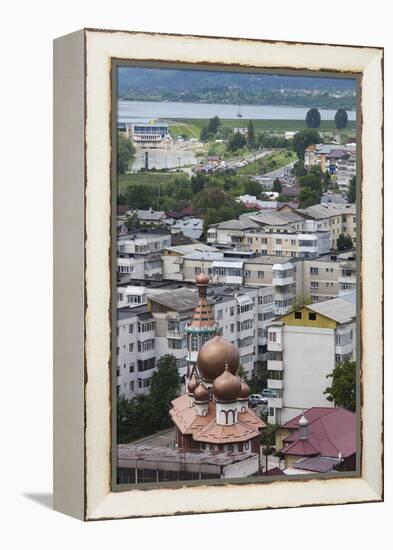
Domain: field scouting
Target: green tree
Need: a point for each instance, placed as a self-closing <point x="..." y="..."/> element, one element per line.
<point x="342" y="391"/>
<point x="277" y="186"/>
<point x="301" y="300"/>
<point x="308" y="197"/>
<point x="213" y="125"/>
<point x="298" y="169"/>
<point x="327" y="180"/>
<point x="312" y="181"/>
<point x="344" y="242"/>
<point x="304" y="138"/>
<point x="251" y="134"/>
<point x="125" y="152"/>
<point x="341" y="119"/>
<point x="165" y="386"/>
<point x="236" y="141"/>
<point x="351" y="197"/>
<point x="252" y="187"/>
<point x="211" y="197"/>
<point x="141" y="196"/>
<point x="132" y="222"/>
<point x="218" y="215"/>
<point x="204" y="134"/>
<point x="313" y="118"/>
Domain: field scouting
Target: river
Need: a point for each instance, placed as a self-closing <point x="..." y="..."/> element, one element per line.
<point x="134" y="110"/>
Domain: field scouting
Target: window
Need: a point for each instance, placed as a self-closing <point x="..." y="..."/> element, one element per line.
<point x="219" y="314"/>
<point x="131" y="347"/>
<point x="298" y="314"/>
<point x="278" y="241"/>
<point x="314" y="284"/>
<point x="261" y="274"/>
<point x="117" y="372"/>
<point x="147" y="364"/>
<point x="247" y="273"/>
<point x="313" y="270"/>
<point x="132" y="367"/>
<point x="264" y="240"/>
<point x="293" y="242"/>
<point x="132" y="385"/>
<point x="312" y="316"/>
<point x="131" y="329"/>
<point x="278" y="252"/>
<point x="272" y="336"/>
<point x="232" y="311"/>
<point x="120" y="297"/>
<point x="232" y="327"/>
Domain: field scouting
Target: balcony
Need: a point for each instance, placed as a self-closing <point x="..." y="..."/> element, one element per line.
<point x="275" y="365"/>
<point x="274" y="402"/>
<point x="347" y="280"/>
<point x="178" y="334"/>
<point x="282" y="281"/>
<point x="274" y="346"/>
<point x="275" y="384"/>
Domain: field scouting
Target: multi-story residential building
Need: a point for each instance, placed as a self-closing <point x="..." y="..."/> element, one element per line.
<point x="139" y="254"/>
<point x="328" y="276"/>
<point x="241" y="315"/>
<point x="135" y="351"/>
<point x="303" y="348"/>
<point x="326" y="155"/>
<point x="297" y="233"/>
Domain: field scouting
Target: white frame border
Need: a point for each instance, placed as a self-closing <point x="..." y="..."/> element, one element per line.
<point x="101" y="47"/>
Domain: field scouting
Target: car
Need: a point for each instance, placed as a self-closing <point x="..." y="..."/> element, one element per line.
<point x="257" y="399"/>
<point x="269" y="392"/>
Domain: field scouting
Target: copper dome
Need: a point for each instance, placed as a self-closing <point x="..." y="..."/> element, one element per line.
<point x="227" y="387"/>
<point x="202" y="279"/>
<point x="245" y="391"/>
<point x="201" y="393"/>
<point x="214" y="355"/>
<point x="192" y="384"/>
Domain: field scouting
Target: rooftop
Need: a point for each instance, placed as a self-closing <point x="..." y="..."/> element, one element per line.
<point x="180" y="299"/>
<point x="339" y="309"/>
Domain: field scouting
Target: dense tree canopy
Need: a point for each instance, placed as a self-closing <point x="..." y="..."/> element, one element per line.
<point x="146" y="414"/>
<point x="236" y="141"/>
<point x="352" y="190"/>
<point x="250" y="135"/>
<point x="313" y="118"/>
<point x="304" y="138"/>
<point x="341" y="119"/>
<point x="344" y="242"/>
<point x="342" y="391"/>
<point x="308" y="197"/>
<point x="125" y="152"/>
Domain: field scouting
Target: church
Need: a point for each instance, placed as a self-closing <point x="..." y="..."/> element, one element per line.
<point x="213" y="413"/>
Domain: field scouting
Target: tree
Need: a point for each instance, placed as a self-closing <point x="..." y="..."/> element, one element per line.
<point x="251" y="134"/>
<point x="236" y="141"/>
<point x="342" y="391"/>
<point x="327" y="180"/>
<point x="313" y="118"/>
<point x="204" y="134"/>
<point x="299" y="169"/>
<point x="132" y="222"/>
<point x="308" y="197"/>
<point x="304" y="138"/>
<point x="165" y="386"/>
<point x="301" y="300"/>
<point x="351" y="197"/>
<point x="344" y="242"/>
<point x="277" y="186"/>
<point x="341" y="119"/>
<point x="213" y="125"/>
<point x="141" y="196"/>
<point x="125" y="152"/>
<point x="312" y="181"/>
<point x="252" y="187"/>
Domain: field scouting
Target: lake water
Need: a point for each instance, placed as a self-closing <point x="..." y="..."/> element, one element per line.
<point x="134" y="110"/>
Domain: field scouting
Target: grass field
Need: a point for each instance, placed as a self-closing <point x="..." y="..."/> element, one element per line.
<point x="269" y="163"/>
<point x="150" y="178"/>
<point x="196" y="124"/>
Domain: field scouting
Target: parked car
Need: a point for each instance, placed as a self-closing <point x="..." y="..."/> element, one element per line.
<point x="257" y="399"/>
<point x="269" y="392"/>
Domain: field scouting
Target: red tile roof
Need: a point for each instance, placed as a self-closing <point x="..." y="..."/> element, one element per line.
<point x="330" y="431"/>
<point x="205" y="428"/>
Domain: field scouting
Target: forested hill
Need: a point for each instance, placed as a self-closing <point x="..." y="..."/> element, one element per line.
<point x="229" y="87"/>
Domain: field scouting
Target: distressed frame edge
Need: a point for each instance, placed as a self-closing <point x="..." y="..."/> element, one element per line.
<point x="375" y="493"/>
<point x="69" y="489"/>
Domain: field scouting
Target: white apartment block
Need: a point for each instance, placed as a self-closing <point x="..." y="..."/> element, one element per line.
<point x="303" y="348"/>
<point x="147" y="332"/>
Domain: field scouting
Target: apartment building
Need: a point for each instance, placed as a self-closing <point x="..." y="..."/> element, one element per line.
<point x="147" y="331"/>
<point x="327" y="155"/>
<point x="303" y="348"/>
<point x="328" y="276"/>
<point x="297" y="233"/>
<point x="139" y="254"/>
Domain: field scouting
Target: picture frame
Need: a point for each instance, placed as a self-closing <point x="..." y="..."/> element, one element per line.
<point x="83" y="252"/>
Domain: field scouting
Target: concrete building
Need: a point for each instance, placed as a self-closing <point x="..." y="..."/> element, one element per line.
<point x="191" y="227"/>
<point x="139" y="254"/>
<point x="149" y="132"/>
<point x="303" y="348"/>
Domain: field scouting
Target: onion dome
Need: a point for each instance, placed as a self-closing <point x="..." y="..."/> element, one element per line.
<point x="201" y="393"/>
<point x="214" y="355"/>
<point x="245" y="391"/>
<point x="227" y="387"/>
<point x="202" y="279"/>
<point x="192" y="384"/>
